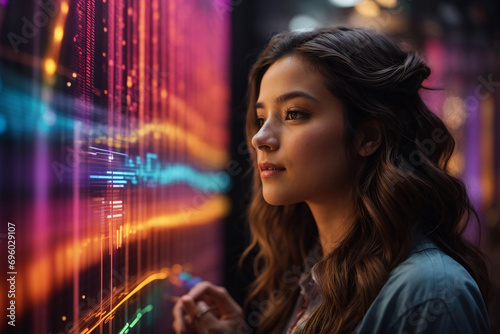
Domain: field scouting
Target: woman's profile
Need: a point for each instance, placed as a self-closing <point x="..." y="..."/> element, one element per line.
<point x="356" y="222"/>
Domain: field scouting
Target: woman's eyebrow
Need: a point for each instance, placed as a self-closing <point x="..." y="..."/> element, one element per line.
<point x="288" y="96"/>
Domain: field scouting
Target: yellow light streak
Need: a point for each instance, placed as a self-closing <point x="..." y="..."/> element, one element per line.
<point x="210" y="155"/>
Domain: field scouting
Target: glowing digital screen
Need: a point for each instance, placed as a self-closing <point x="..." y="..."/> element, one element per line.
<point x="113" y="141"/>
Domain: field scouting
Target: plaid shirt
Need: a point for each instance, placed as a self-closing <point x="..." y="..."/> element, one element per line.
<point x="308" y="300"/>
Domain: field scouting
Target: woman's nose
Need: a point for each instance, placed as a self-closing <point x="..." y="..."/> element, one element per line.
<point x="266" y="138"/>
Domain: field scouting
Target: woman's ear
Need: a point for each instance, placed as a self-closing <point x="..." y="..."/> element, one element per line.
<point x="370" y="137"/>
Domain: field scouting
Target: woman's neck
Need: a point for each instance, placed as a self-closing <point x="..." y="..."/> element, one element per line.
<point x="333" y="219"/>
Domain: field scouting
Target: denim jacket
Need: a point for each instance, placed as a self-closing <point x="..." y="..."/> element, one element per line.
<point x="427" y="293"/>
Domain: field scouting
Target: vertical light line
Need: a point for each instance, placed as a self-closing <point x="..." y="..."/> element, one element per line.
<point x="153" y="92"/>
<point x="76" y="226"/>
<point x="102" y="278"/>
<point x="496" y="147"/>
<point x="111" y="64"/>
<point x="163" y="91"/>
<point x="131" y="125"/>
<point x="141" y="61"/>
<point x="118" y="62"/>
<point x="172" y="75"/>
<point x="472" y="150"/>
<point x="41" y="224"/>
<point x="111" y="34"/>
<point x="486" y="146"/>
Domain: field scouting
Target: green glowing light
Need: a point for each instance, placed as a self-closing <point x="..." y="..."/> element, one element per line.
<point x="138" y="316"/>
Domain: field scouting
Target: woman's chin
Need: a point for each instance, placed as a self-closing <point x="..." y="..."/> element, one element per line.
<point x="278" y="200"/>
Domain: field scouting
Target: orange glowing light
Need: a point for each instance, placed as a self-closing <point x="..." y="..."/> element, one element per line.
<point x="64" y="7"/>
<point x="487" y="150"/>
<point x="58" y="33"/>
<point x="387" y="3"/>
<point x="50" y="66"/>
<point x="368" y="9"/>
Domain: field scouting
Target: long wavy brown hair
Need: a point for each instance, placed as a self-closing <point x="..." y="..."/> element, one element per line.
<point x="401" y="188"/>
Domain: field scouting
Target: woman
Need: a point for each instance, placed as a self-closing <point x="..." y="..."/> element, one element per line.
<point x="356" y="221"/>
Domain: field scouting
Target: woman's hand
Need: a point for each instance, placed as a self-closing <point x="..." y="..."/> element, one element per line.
<point x="208" y="308"/>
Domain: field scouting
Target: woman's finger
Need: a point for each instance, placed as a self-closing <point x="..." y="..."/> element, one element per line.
<point x="219" y="294"/>
<point x="202" y="319"/>
<point x="178" y="325"/>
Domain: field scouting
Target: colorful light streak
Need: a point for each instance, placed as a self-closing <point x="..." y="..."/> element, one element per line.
<point x="43" y="281"/>
<point x="199" y="148"/>
<point x="98" y="316"/>
<point x="156" y="276"/>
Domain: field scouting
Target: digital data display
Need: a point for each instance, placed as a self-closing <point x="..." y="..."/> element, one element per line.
<point x="113" y="142"/>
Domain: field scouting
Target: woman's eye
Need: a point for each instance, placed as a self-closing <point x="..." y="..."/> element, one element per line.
<point x="294" y="114"/>
<point x="259" y="122"/>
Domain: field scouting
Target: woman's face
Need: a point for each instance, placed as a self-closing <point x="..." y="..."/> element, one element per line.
<point x="301" y="134"/>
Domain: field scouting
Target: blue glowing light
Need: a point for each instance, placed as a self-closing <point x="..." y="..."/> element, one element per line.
<point x="153" y="174"/>
<point x="3" y="123"/>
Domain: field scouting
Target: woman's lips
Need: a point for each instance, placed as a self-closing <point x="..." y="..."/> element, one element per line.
<point x="268" y="169"/>
<point x="271" y="172"/>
